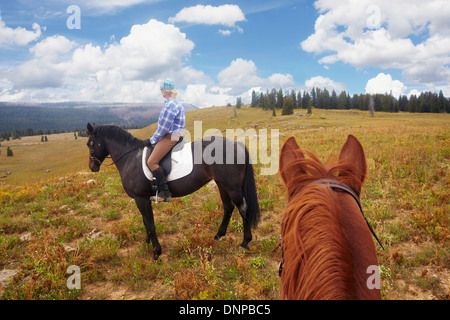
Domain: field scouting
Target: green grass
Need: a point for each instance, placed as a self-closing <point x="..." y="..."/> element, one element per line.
<point x="48" y="223"/>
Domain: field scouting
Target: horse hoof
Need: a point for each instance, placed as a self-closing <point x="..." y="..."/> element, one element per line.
<point x="156" y="254"/>
<point x="245" y="246"/>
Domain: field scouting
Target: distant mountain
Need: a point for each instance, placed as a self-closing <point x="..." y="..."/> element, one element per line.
<point x="70" y="116"/>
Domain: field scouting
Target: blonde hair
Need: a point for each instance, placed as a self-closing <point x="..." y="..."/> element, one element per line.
<point x="173" y="93"/>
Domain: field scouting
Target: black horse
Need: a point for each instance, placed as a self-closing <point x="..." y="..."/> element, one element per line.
<point x="235" y="180"/>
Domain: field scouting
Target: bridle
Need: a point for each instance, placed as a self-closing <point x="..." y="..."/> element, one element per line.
<point x="98" y="161"/>
<point x="334" y="184"/>
<point x="92" y="151"/>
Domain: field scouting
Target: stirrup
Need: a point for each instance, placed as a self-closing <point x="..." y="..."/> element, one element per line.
<point x="157" y="198"/>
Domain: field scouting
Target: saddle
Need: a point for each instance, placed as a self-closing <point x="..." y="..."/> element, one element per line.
<point x="166" y="162"/>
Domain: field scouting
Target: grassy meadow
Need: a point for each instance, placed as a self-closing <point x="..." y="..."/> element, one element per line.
<point x="55" y="213"/>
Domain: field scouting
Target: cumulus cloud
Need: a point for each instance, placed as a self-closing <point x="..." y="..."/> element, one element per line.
<point x="226" y="15"/>
<point x="18" y="36"/>
<point x="52" y="46"/>
<point x="128" y="70"/>
<point x="322" y="82"/>
<point x="383" y="83"/>
<point x="236" y="80"/>
<point x="132" y="69"/>
<point x="241" y="75"/>
<point x="410" y="35"/>
<point x="47" y="68"/>
<point x="150" y="49"/>
<point x="202" y="96"/>
<point x="147" y="53"/>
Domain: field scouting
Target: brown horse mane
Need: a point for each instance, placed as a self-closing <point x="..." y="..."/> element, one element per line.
<point x="311" y="218"/>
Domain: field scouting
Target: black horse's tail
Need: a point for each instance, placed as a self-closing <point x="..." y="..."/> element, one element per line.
<point x="250" y="194"/>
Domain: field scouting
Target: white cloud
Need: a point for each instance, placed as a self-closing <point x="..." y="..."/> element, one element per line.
<point x="227" y="15"/>
<point x="241" y="75"/>
<point x="383" y="83"/>
<point x="225" y="32"/>
<point x="409" y="35"/>
<point x="18" y="36"/>
<point x="321" y="82"/>
<point x="147" y="53"/>
<point x="53" y="46"/>
<point x="149" y="50"/>
<point x="414" y="92"/>
<point x="278" y="80"/>
<point x="202" y="96"/>
<point x="128" y="70"/>
<point x="47" y="68"/>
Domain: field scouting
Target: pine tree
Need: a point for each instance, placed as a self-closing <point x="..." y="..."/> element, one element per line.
<point x="341" y="100"/>
<point x="288" y="106"/>
<point x="306" y="100"/>
<point x="254" y="102"/>
<point x="355" y="101"/>
<point x="9" y="152"/>
<point x="326" y="98"/>
<point x="299" y="99"/>
<point x="333" y="100"/>
<point x="313" y="97"/>
<point x="309" y="108"/>
<point x="273" y="98"/>
<point x="238" y="102"/>
<point x="294" y="97"/>
<point x="441" y="102"/>
<point x="279" y="103"/>
<point x="412" y="103"/>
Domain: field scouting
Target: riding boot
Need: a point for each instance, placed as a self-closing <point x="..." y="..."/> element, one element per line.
<point x="163" y="192"/>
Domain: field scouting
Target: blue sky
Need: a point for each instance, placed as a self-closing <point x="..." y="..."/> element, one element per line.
<point x="216" y="51"/>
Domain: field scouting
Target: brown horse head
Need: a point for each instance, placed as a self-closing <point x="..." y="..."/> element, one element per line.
<point x="328" y="250"/>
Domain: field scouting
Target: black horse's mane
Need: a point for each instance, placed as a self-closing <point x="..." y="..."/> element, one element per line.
<point x="118" y="134"/>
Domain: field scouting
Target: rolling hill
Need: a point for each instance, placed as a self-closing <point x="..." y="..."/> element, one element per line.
<point x="72" y="116"/>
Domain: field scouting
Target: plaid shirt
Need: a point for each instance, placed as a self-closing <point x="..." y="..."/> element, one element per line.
<point x="171" y="120"/>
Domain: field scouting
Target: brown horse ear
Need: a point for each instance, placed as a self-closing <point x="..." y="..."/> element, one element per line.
<point x="353" y="152"/>
<point x="289" y="154"/>
<point x="90" y="128"/>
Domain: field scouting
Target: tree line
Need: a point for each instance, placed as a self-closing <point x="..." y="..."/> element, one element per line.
<point x="17" y="134"/>
<point x="324" y="99"/>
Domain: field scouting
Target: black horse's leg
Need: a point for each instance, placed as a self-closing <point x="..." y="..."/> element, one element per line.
<point x="241" y="204"/>
<point x="145" y="207"/>
<point x="228" y="208"/>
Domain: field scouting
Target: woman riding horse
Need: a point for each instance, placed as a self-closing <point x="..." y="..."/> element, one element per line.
<point x="171" y="123"/>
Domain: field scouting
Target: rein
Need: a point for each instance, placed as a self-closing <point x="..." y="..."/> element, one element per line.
<point x="335" y="184"/>
<point x="123" y="155"/>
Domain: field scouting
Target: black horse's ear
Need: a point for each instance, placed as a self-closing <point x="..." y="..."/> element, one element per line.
<point x="90" y="128"/>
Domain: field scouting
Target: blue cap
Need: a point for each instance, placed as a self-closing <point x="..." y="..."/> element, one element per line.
<point x="167" y="85"/>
